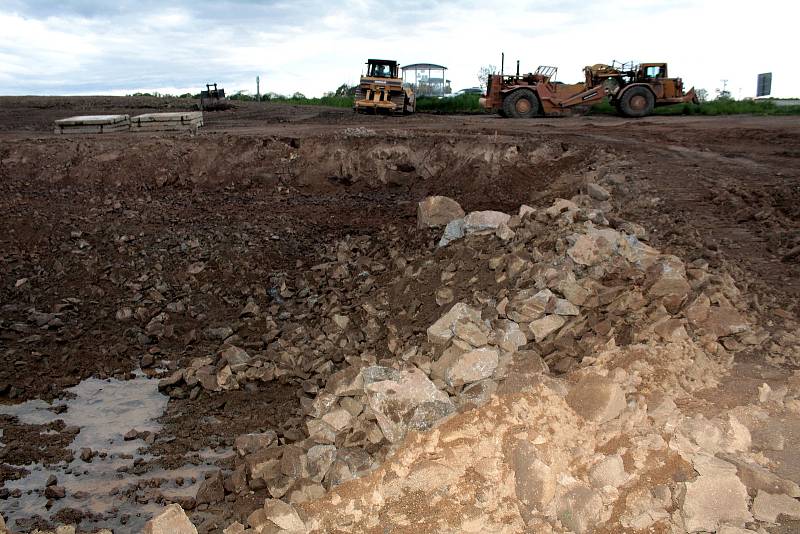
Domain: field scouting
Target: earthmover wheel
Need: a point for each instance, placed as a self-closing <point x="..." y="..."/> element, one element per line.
<point x="636" y="102"/>
<point x="521" y="104"/>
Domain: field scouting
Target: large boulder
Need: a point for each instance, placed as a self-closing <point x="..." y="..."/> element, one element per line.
<point x="560" y="206"/>
<point x="597" y="192"/>
<point x="237" y="358"/>
<point x="758" y="478"/>
<point x="249" y="443"/>
<point x="172" y="520"/>
<point x="545" y="326"/>
<point x="437" y="211"/>
<point x="645" y="506"/>
<point x="724" y="321"/>
<point x="524" y="373"/>
<point x="667" y="278"/>
<point x="597" y="399"/>
<point x="580" y="509"/>
<point x="610" y="471"/>
<point x="715" y="499"/>
<point x="535" y="482"/>
<point x="476" y="334"/>
<point x="478" y="221"/>
<point x="454" y="230"/>
<point x="211" y="490"/>
<point x="320" y="458"/>
<point x="594" y="246"/>
<point x="410" y="401"/>
<point x="508" y="336"/>
<point x="346" y="382"/>
<point x="472" y="366"/>
<point x="283" y="516"/>
<point x="769" y="507"/>
<point x="528" y="305"/>
<point x="264" y="464"/>
<point x="440" y="332"/>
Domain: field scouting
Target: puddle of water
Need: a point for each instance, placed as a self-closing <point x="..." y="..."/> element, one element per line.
<point x="105" y="410"/>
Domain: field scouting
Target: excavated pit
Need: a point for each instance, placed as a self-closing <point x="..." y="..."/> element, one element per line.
<point x="163" y="252"/>
<point x="105" y="239"/>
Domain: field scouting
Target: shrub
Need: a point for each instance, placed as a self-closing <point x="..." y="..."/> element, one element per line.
<point x="457" y="104"/>
<point x="726" y="106"/>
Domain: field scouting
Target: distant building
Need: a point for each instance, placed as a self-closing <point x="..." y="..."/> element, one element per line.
<point x="427" y="79"/>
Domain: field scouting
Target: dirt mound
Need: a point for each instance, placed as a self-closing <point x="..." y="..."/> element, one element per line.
<point x="604" y="447"/>
<point x="557" y="281"/>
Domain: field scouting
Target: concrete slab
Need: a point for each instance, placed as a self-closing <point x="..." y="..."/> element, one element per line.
<point x="92" y="129"/>
<point x="92" y="124"/>
<point x="99" y="128"/>
<point x="157" y="126"/>
<point x="173" y="122"/>
<point x="86" y="120"/>
<point x="180" y="116"/>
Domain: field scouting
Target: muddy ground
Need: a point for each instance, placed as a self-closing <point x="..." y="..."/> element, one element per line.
<point x="100" y="231"/>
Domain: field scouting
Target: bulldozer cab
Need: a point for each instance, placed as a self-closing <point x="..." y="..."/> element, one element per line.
<point x="381" y="68"/>
<point x="652" y="71"/>
<point x="213" y="98"/>
<point x="656" y="75"/>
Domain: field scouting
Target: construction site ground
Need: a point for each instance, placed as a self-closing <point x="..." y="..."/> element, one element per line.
<point x="96" y="227"/>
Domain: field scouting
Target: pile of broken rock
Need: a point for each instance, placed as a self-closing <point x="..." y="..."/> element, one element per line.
<point x="556" y="392"/>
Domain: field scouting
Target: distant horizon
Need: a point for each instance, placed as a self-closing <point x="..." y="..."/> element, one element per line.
<point x="82" y="47"/>
<point x="170" y="95"/>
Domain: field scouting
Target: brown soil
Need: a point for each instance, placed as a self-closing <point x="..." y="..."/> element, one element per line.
<point x="93" y="224"/>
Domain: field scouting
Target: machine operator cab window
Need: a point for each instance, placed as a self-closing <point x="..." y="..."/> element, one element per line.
<point x="655" y="71"/>
<point x="380" y="70"/>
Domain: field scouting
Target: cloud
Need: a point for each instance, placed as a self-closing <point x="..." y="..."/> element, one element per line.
<point x="84" y="47"/>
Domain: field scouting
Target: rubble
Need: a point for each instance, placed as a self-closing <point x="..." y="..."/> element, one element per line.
<point x="558" y="302"/>
<point x="172" y="520"/>
<point x="437" y="211"/>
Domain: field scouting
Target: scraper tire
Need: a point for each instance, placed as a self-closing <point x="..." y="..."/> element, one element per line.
<point x="521" y="104"/>
<point x="636" y="102"/>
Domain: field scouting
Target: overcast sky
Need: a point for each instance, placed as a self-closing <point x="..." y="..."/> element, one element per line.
<point x="312" y="46"/>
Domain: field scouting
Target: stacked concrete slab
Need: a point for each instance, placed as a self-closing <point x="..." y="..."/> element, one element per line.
<point x="177" y="121"/>
<point x="95" y="124"/>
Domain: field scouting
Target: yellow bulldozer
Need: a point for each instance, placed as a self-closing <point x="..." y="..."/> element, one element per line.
<point x="381" y="90"/>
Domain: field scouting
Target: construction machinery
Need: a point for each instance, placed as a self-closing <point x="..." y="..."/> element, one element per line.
<point x="213" y="99"/>
<point x="382" y="90"/>
<point x="633" y="89"/>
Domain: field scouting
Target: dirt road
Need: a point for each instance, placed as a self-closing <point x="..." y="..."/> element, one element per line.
<point x="101" y="230"/>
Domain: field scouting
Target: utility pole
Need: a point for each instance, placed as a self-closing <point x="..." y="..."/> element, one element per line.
<point x="258" y="88"/>
<point x="723" y="93"/>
